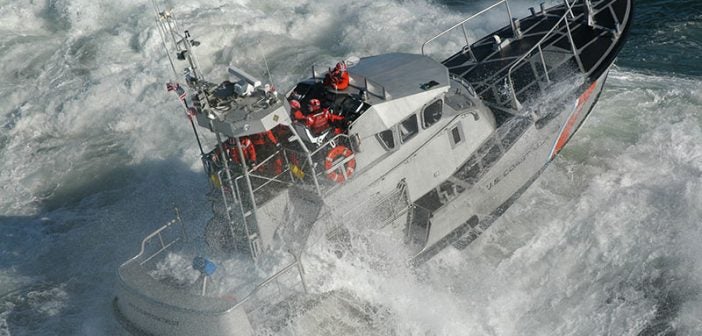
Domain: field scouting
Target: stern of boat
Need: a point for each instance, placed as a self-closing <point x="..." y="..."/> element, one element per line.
<point x="149" y="303"/>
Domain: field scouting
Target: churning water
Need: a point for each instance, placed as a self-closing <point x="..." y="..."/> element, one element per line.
<point x="94" y="154"/>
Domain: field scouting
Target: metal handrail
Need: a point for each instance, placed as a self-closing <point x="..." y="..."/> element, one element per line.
<point x="260" y="164"/>
<point x="569" y="7"/>
<point x="252" y="171"/>
<point x="465" y="84"/>
<point x="252" y="249"/>
<point x="462" y="23"/>
<point x="154" y="234"/>
<point x="157" y="233"/>
<point x="235" y="197"/>
<point x="274" y="277"/>
<point x="270" y="180"/>
<point x="296" y="263"/>
<point x="329" y="142"/>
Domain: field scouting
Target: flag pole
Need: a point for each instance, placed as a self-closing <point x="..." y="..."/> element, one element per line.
<point x="197" y="136"/>
<point x="189" y="111"/>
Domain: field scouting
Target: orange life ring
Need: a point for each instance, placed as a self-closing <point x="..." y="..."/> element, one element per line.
<point x="329" y="162"/>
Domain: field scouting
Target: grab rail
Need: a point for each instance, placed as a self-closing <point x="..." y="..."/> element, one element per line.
<point x="274" y="277"/>
<point x="568" y="11"/>
<point x="462" y="25"/>
<point x="157" y="233"/>
<point x="537" y="47"/>
<point x="296" y="264"/>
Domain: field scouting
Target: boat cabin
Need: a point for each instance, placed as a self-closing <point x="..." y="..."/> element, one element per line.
<point x="389" y="100"/>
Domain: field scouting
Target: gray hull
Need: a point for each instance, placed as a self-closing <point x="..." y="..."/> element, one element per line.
<point x="492" y="184"/>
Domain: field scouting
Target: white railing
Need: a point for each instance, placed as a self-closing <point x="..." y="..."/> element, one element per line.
<point x="463" y="27"/>
<point x="163" y="243"/>
<point x="275" y="279"/>
<point x="538" y="46"/>
<point x="238" y="195"/>
<point x="162" y="240"/>
<point x="516" y="32"/>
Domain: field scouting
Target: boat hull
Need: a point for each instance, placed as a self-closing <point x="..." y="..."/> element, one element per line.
<point x="488" y="196"/>
<point x="167" y="311"/>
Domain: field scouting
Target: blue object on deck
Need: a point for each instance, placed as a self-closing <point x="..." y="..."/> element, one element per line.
<point x="205" y="266"/>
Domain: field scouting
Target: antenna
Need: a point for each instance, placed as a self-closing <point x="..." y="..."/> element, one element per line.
<point x="162" y="31"/>
<point x="182" y="46"/>
<point x="180" y="43"/>
<point x="265" y="61"/>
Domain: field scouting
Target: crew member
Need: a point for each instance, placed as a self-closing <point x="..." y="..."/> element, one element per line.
<point x="247" y="148"/>
<point x="212" y="161"/>
<point x="281" y="133"/>
<point x="337" y="79"/>
<point x="296" y="110"/>
<point x="266" y="144"/>
<point x="259" y="139"/>
<point x="319" y="119"/>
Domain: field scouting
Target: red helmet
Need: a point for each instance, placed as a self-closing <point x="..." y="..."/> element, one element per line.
<point x="295" y="105"/>
<point x="341" y="66"/>
<point x="314" y="104"/>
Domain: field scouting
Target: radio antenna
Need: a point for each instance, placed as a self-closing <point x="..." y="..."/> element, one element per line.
<point x="265" y="61"/>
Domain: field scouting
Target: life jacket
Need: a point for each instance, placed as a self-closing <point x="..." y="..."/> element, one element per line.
<point x="299" y="116"/>
<point x="334" y="118"/>
<point x="337" y="80"/>
<point x="318" y="122"/>
<point x="247" y="148"/>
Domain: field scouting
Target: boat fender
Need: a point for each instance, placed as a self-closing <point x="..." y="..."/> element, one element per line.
<point x="332" y="156"/>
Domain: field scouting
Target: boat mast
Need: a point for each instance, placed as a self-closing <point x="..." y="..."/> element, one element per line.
<point x="182" y="46"/>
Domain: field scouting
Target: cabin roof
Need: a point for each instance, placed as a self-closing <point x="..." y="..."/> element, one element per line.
<point x="404" y="77"/>
<point x="400" y="74"/>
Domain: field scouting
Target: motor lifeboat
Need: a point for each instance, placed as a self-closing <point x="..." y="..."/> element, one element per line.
<point x="432" y="150"/>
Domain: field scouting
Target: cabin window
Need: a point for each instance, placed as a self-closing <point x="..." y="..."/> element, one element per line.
<point x="387" y="139"/>
<point x="409" y="128"/>
<point x="432" y="113"/>
<point x="456" y="135"/>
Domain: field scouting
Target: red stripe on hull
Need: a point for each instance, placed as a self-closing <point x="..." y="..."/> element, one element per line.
<point x="568" y="129"/>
